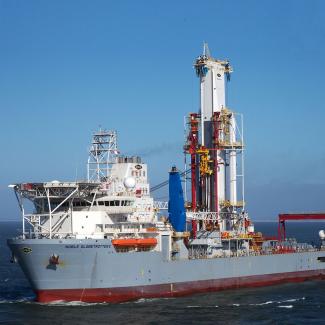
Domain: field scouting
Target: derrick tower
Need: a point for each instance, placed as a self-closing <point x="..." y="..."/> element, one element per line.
<point x="215" y="145"/>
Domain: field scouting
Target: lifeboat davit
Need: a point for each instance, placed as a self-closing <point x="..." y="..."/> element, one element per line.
<point x="134" y="242"/>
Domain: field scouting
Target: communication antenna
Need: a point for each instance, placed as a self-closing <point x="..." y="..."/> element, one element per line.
<point x="102" y="155"/>
<point x="206" y="51"/>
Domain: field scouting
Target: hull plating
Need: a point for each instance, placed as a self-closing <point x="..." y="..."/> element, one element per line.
<point x="92" y="271"/>
<point x="115" y="295"/>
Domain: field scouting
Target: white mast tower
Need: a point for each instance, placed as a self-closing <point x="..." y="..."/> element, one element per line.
<point x="102" y="155"/>
<point x="214" y="142"/>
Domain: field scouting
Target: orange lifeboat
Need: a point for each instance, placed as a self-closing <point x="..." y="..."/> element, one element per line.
<point x="225" y="235"/>
<point x="134" y="242"/>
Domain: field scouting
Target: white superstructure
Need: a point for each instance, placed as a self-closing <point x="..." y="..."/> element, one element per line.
<point x="114" y="202"/>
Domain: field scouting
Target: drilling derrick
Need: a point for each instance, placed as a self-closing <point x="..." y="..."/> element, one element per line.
<point x="215" y="146"/>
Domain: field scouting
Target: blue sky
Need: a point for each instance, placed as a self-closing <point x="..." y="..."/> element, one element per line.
<point x="69" y="66"/>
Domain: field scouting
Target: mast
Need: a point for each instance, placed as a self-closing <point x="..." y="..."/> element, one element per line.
<point x="102" y="155"/>
<point x="214" y="143"/>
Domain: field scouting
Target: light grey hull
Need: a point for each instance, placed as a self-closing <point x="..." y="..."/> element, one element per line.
<point x="94" y="266"/>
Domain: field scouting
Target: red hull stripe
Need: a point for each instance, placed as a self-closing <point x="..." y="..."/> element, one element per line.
<point x="173" y="289"/>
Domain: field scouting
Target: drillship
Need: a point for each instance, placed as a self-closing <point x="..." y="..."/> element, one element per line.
<point x="104" y="239"/>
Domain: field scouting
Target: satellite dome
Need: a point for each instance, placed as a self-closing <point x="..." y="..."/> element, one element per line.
<point x="321" y="234"/>
<point x="129" y="182"/>
<point x="251" y="228"/>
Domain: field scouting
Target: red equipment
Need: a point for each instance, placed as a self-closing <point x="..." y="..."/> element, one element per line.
<point x="296" y="216"/>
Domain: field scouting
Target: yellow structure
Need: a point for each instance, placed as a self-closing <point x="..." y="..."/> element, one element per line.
<point x="204" y="161"/>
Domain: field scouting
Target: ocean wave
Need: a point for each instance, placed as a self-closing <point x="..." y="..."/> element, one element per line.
<point x="146" y="300"/>
<point x="197" y="306"/>
<point x="278" y="302"/>
<point x="263" y="303"/>
<point x="31" y="300"/>
<point x="17" y="301"/>
<point x="292" y="300"/>
<point x="63" y="303"/>
<point x="286" y="306"/>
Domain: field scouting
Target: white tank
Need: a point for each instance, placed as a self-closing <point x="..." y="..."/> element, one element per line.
<point x="321" y="234"/>
<point x="129" y="183"/>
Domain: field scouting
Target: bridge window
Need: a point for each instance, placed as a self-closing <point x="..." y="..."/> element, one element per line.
<point x="99" y="228"/>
